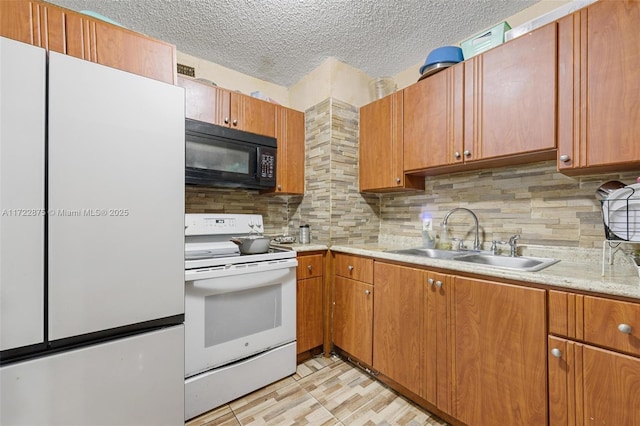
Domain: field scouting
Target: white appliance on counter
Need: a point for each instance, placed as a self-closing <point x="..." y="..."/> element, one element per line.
<point x="240" y="312"/>
<point x="92" y="243"/>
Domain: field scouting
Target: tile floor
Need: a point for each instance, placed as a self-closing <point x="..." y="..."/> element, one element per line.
<point x="324" y="391"/>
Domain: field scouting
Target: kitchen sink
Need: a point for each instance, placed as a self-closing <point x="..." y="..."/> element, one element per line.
<point x="520" y="263"/>
<point x="529" y="264"/>
<point x="427" y="252"/>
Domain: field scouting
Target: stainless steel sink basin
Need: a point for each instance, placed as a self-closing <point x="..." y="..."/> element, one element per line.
<point x="430" y="253"/>
<point x="525" y="264"/>
<point x="529" y="264"/>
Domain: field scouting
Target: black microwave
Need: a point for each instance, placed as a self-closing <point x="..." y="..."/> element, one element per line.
<point x="219" y="156"/>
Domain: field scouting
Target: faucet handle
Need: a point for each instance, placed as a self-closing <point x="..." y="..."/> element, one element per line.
<point x="458" y="244"/>
<point x="494" y="246"/>
<point x="512" y="243"/>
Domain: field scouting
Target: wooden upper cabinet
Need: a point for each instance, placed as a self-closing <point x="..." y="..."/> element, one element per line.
<point x="510" y="98"/>
<point x="433" y="126"/>
<point x="499" y="354"/>
<point x="223" y="107"/>
<point x="497" y="108"/>
<point x="252" y="114"/>
<point x="129" y="51"/>
<point x="65" y="31"/>
<point x="381" y="165"/>
<point x="291" y="149"/>
<point x="599" y="82"/>
<point x="19" y="21"/>
<point x="204" y="102"/>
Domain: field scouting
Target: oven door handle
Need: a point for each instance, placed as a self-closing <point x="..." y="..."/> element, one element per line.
<point x="244" y="276"/>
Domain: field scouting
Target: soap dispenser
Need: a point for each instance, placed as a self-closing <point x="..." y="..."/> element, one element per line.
<point x="428" y="237"/>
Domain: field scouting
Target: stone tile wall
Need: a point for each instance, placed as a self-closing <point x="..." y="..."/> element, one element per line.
<point x="543" y="206"/>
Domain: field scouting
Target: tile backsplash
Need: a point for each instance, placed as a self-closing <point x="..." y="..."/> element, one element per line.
<point x="545" y="207"/>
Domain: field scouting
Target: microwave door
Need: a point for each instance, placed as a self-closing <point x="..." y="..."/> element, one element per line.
<point x="225" y="163"/>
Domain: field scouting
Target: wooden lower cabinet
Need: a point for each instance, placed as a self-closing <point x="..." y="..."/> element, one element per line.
<point x="592" y="386"/>
<point x="397" y="324"/>
<point x="498" y="353"/>
<point x="309" y="306"/>
<point x="353" y="317"/>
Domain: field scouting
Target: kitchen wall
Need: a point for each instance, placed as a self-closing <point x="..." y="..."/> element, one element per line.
<point x="543" y="206"/>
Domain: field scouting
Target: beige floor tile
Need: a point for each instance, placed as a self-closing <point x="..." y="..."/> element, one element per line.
<point x="388" y="408"/>
<point x="290" y="405"/>
<point x="341" y="388"/>
<point x="312" y="365"/>
<point x="324" y="391"/>
<point x="222" y="416"/>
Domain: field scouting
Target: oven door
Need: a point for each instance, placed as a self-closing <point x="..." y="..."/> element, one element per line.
<point x="235" y="311"/>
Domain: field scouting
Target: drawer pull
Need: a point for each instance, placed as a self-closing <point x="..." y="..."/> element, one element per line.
<point x="367" y="292"/>
<point x="309" y="267"/>
<point x="430" y="281"/>
<point x="625" y="328"/>
<point x="556" y="352"/>
<point x="350" y="267"/>
<point x="438" y="283"/>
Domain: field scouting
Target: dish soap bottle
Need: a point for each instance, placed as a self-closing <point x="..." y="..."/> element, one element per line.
<point x="445" y="241"/>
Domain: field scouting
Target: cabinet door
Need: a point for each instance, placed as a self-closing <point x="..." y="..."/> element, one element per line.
<point x="397" y="327"/>
<point x="562" y="382"/>
<point x="19" y="21"/>
<point x="437" y="341"/>
<point x="599" y="79"/>
<point x="353" y="318"/>
<point x="309" y="314"/>
<point x="128" y="51"/>
<point x="510" y="98"/>
<point x="499" y="353"/>
<point x="611" y="387"/>
<point x="253" y="115"/>
<point x="290" y="161"/>
<point x="204" y="102"/>
<point x="433" y="120"/>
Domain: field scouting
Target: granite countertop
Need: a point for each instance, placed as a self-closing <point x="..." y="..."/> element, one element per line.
<point x="577" y="269"/>
<point x="580" y="274"/>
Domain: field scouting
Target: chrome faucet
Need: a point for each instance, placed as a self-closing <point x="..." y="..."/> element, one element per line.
<point x="476" y="241"/>
<point x="512" y="244"/>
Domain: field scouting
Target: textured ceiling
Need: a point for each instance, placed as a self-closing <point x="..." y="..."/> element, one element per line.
<point x="282" y="40"/>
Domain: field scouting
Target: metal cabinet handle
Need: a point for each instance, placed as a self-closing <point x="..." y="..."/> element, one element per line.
<point x="564" y="158"/>
<point x="467" y="153"/>
<point x="279" y="187"/>
<point x="438" y="283"/>
<point x="235" y="122"/>
<point x="309" y="267"/>
<point x="556" y="352"/>
<point x="367" y="292"/>
<point x="430" y="281"/>
<point x="226" y="120"/>
<point x="625" y="328"/>
<point x="398" y="180"/>
<point x="350" y="267"/>
<point x="457" y="154"/>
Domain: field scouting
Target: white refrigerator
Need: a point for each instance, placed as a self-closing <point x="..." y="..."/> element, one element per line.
<point x="91" y="243"/>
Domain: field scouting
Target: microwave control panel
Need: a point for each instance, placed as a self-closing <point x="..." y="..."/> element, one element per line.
<point x="267" y="165"/>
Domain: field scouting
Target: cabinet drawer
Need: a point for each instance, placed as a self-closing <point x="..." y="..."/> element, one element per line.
<point x="354" y="267"/>
<point x="309" y="266"/>
<point x="612" y="323"/>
